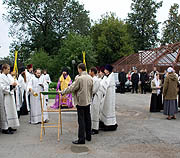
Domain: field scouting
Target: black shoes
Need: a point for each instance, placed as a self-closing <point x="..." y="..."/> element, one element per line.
<point x="7" y="131"/>
<point x="94" y="131"/>
<point x="12" y="129"/>
<point x="78" y="142"/>
<point x="88" y="139"/>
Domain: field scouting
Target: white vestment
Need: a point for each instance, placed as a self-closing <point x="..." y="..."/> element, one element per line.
<point x="22" y="87"/>
<point x="108" y="115"/>
<point x="48" y="81"/>
<point x="35" y="111"/>
<point x="9" y="117"/>
<point x="29" y="76"/>
<point x="16" y="91"/>
<point x="95" y="104"/>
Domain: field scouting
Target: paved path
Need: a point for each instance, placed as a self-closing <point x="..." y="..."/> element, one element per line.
<point x="140" y="135"/>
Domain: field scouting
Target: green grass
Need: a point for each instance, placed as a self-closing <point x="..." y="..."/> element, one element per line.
<point x="52" y="96"/>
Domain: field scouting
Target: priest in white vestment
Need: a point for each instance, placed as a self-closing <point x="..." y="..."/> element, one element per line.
<point x="48" y="81"/>
<point x="95" y="101"/>
<point x="9" y="117"/>
<point x="36" y="85"/>
<point x="22" y="84"/>
<point x="13" y="78"/>
<point x="29" y="75"/>
<point x="107" y="114"/>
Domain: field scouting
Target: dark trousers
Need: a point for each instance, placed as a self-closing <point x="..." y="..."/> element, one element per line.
<point x="135" y="87"/>
<point x="122" y="87"/>
<point x="23" y="109"/>
<point x="84" y="121"/>
<point x="143" y="87"/>
<point x="179" y="98"/>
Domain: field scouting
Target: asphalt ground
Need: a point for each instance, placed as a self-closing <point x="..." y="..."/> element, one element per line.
<point x="140" y="134"/>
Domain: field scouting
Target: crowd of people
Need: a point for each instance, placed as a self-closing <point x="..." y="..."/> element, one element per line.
<point x="19" y="95"/>
<point x="94" y="98"/>
<point x="165" y="93"/>
<point x="93" y="93"/>
<point x="165" y="89"/>
<point x="138" y="80"/>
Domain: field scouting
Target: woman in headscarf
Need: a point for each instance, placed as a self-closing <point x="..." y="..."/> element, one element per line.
<point x="156" y="97"/>
<point x="63" y="83"/>
<point x="170" y="90"/>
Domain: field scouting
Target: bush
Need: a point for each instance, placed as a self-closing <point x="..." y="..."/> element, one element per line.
<point x="53" y="85"/>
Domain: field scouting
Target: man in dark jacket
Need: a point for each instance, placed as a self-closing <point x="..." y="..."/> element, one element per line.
<point x="135" y="80"/>
<point x="143" y="79"/>
<point x="122" y="80"/>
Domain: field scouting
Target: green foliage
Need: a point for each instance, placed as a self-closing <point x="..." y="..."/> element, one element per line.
<point x="143" y="23"/>
<point x="111" y="39"/>
<point x="52" y="96"/>
<point x="72" y="49"/>
<point x="171" y="29"/>
<point x="41" y="60"/>
<point x="43" y="23"/>
<point x="53" y="85"/>
<point x="6" y="60"/>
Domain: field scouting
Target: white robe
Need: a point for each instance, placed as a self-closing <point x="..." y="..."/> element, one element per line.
<point x="35" y="111"/>
<point x="48" y="81"/>
<point x="95" y="104"/>
<point x="9" y="117"/>
<point x="22" y="87"/>
<point x="17" y="91"/>
<point x="29" y="76"/>
<point x="108" y="115"/>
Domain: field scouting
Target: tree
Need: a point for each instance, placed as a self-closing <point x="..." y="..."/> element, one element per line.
<point x="43" y="23"/>
<point x="41" y="60"/>
<point x="72" y="49"/>
<point x="6" y="60"/>
<point x="111" y="39"/>
<point x="143" y="24"/>
<point x="171" y="29"/>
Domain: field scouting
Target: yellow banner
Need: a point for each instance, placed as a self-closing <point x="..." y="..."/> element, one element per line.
<point x="84" y="59"/>
<point x="15" y="69"/>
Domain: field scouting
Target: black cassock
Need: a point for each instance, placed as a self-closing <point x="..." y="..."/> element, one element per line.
<point x="156" y="103"/>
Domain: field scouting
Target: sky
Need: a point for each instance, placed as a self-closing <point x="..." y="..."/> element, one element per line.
<point x="96" y="7"/>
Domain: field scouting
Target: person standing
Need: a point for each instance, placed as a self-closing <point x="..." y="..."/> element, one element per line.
<point x="83" y="89"/>
<point x="143" y="79"/>
<point x="36" y="85"/>
<point x="156" y="97"/>
<point x="48" y="81"/>
<point x="101" y="73"/>
<point x="29" y="75"/>
<point x="107" y="113"/>
<point x="179" y="90"/>
<point x="170" y="90"/>
<point x="63" y="83"/>
<point x="13" y="78"/>
<point x="135" y="81"/>
<point x="153" y="73"/>
<point x="122" y="80"/>
<point x="95" y="101"/>
<point x="22" y="93"/>
<point x="9" y="118"/>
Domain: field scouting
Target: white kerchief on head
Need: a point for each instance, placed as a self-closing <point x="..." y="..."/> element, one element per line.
<point x="170" y="69"/>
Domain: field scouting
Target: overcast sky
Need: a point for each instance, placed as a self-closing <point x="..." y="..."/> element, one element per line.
<point x="96" y="8"/>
